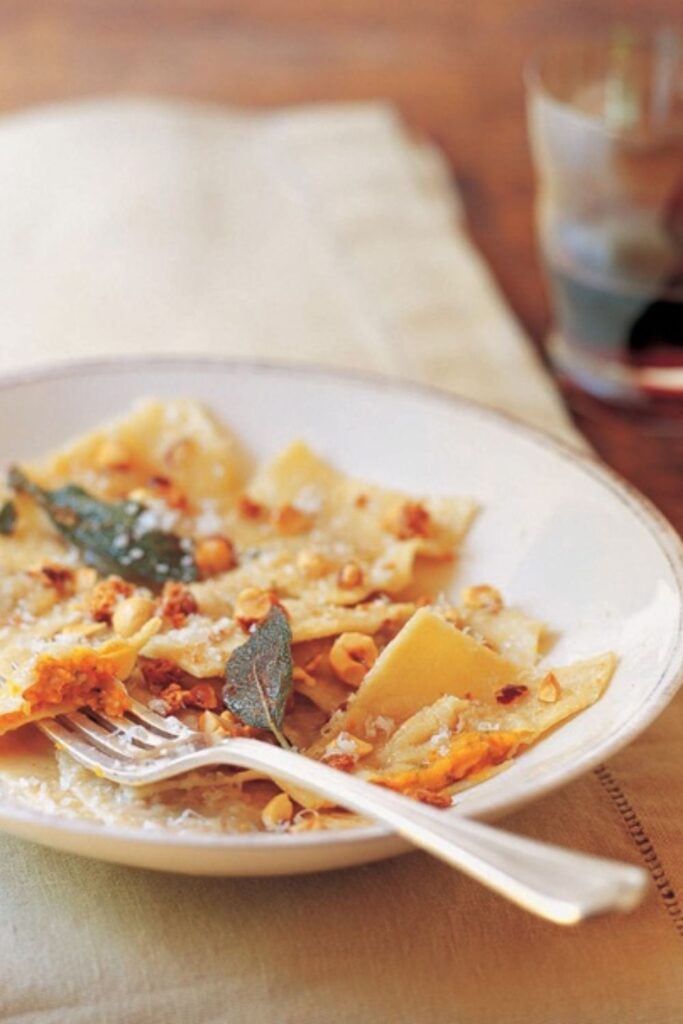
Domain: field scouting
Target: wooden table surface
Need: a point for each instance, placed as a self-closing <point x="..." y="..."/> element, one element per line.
<point x="453" y="68"/>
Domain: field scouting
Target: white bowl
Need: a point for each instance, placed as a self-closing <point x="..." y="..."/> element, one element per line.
<point x="560" y="534"/>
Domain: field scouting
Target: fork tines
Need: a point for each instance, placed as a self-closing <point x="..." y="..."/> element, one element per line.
<point x="96" y="739"/>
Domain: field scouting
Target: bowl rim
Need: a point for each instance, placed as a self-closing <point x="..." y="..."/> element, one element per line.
<point x="663" y="533"/>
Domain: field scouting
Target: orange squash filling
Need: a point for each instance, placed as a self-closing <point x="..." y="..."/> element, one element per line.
<point x="79" y="679"/>
<point x="64" y="684"/>
<point x="468" y="754"/>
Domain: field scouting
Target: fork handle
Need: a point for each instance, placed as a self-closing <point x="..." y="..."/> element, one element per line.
<point x="557" y="884"/>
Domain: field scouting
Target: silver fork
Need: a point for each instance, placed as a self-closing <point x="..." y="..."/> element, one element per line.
<point x="557" y="884"/>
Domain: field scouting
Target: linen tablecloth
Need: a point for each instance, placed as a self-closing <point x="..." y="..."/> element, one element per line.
<point x="326" y="235"/>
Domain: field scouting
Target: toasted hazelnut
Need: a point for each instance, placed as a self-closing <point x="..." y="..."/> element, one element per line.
<point x="434" y="799"/>
<point x="169" y="492"/>
<point x="350" y="575"/>
<point x="113" y="455"/>
<point x="252" y="606"/>
<point x="202" y="695"/>
<point x="174" y="696"/>
<point x="351" y="656"/>
<point x="342" y="762"/>
<point x="277" y="812"/>
<point x="482" y="597"/>
<point x="104" y="596"/>
<point x="232" y="726"/>
<point x="407" y="520"/>
<point x="312" y="564"/>
<point x="549" y="689"/>
<point x="214" y="554"/>
<point x="159" y="673"/>
<point x="289" y="520"/>
<point x="250" y="509"/>
<point x="453" y="616"/>
<point x="177" y="603"/>
<point x="59" y="577"/>
<point x="210" y="723"/>
<point x="131" y="614"/>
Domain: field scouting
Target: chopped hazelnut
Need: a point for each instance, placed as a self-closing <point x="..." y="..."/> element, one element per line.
<point x="177" y="603"/>
<point x="131" y="614"/>
<point x="428" y="796"/>
<point x="252" y="606"/>
<point x="482" y="597"/>
<point x="104" y="596"/>
<point x="312" y="564"/>
<point x="159" y="673"/>
<point x="214" y="554"/>
<point x="453" y="616"/>
<point x="113" y="455"/>
<point x="164" y="488"/>
<point x="350" y="575"/>
<point x="289" y="520"/>
<point x="351" y="657"/>
<point x="234" y="727"/>
<point x="208" y="722"/>
<point x="250" y="509"/>
<point x="202" y="695"/>
<point x="174" y="697"/>
<point x="59" y="577"/>
<point x="409" y="519"/>
<point x="342" y="762"/>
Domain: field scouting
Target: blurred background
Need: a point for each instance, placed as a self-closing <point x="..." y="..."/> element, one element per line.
<point x="453" y="68"/>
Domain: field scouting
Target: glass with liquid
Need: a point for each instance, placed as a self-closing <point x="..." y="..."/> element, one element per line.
<point x="606" y="127"/>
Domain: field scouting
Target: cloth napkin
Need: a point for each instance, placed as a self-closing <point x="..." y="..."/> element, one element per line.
<point x="327" y="235"/>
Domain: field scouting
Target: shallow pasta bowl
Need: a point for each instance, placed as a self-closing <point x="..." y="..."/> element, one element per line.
<point x="559" y="534"/>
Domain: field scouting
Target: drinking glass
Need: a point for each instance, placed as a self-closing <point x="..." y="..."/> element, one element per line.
<point x="606" y="130"/>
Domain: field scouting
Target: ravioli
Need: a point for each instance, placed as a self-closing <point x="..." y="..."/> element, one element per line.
<point x="145" y="553"/>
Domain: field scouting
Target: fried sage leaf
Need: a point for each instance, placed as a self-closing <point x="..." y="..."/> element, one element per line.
<point x="112" y="536"/>
<point x="8" y="518"/>
<point x="258" y="675"/>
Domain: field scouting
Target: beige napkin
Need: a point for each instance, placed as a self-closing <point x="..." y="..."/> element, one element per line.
<point x="324" y="235"/>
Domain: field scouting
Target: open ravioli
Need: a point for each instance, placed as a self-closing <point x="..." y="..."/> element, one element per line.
<point x="140" y="558"/>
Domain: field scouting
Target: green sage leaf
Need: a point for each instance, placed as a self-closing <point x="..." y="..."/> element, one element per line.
<point x="111" y="535"/>
<point x="8" y="518"/>
<point x="258" y="675"/>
